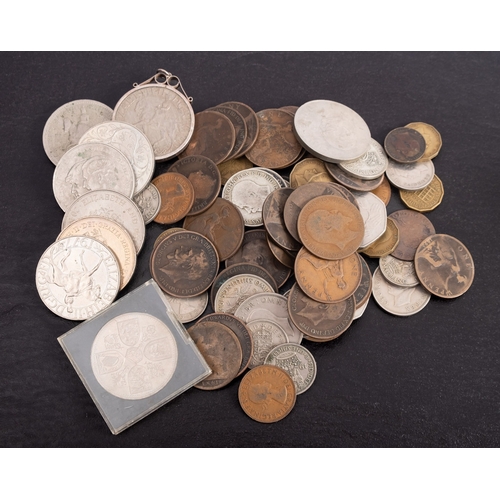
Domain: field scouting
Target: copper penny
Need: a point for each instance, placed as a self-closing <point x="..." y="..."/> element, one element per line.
<point x="290" y="109"/>
<point x="204" y="175"/>
<point x="267" y="394"/>
<point x="177" y="197"/>
<point x="351" y="182"/>
<point x="413" y="229"/>
<point x="222" y="351"/>
<point x="251" y="121"/>
<point x="362" y="293"/>
<point x="213" y="137"/>
<point x="444" y="266"/>
<point x="240" y="128"/>
<point x="383" y="191"/>
<point x="346" y="194"/>
<point x="386" y="244"/>
<point x="405" y="145"/>
<point x="230" y="167"/>
<point x="286" y="257"/>
<point x="222" y="224"/>
<point x="276" y="146"/>
<point x="330" y="227"/>
<point x="432" y="138"/>
<point x="184" y="264"/>
<point x="166" y="233"/>
<point x="327" y="281"/>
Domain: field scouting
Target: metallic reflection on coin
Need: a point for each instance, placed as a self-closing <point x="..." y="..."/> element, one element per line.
<point x="134" y="356"/>
<point x="386" y="243"/>
<point x="304" y="170"/>
<point x="432" y="138"/>
<point x="148" y="201"/>
<point x="350" y="181"/>
<point x="413" y="176"/>
<point x="370" y="166"/>
<point x="360" y="310"/>
<point x="374" y="215"/>
<point x="405" y="145"/>
<point x="364" y="290"/>
<point x="424" y="200"/>
<point x="266" y="335"/>
<point x="166" y="233"/>
<point x="188" y="308"/>
<point x="230" y="167"/>
<point x="240" y="129"/>
<point x="177" y="197"/>
<point x="399" y="272"/>
<point x="383" y="191"/>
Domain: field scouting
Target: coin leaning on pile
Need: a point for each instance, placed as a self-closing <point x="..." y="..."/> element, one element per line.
<point x="246" y="229"/>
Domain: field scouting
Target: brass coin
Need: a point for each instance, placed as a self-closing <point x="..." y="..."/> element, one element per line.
<point x="222" y="351"/>
<point x="432" y="139"/>
<point x="350" y="181"/>
<point x="405" y="145"/>
<point x="444" y="266"/>
<point x="386" y="244"/>
<point x="362" y="293"/>
<point x="251" y="121"/>
<point x="322" y="177"/>
<point x="166" y="233"/>
<point x="424" y="200"/>
<point x="330" y="227"/>
<point x="267" y="394"/>
<point x="177" y="197"/>
<point x="222" y="224"/>
<point x="383" y="191"/>
<point x="304" y="170"/>
<point x="240" y="129"/>
<point x="327" y="281"/>
<point x="230" y="167"/>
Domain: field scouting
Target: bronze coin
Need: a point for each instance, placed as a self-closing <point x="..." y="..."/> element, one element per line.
<point x="405" y="145"/>
<point x="222" y="224"/>
<point x="327" y="281"/>
<point x="177" y="197"/>
<point x="222" y="351"/>
<point x="432" y="138"/>
<point x="166" y="233"/>
<point x="276" y="146"/>
<point x="346" y="194"/>
<point x="383" y="191"/>
<point x="213" y="137"/>
<point x="362" y="293"/>
<point x="251" y="121"/>
<point x="297" y="200"/>
<point x="267" y="394"/>
<point x="444" y="266"/>
<point x="184" y="264"/>
<point x="319" y="321"/>
<point x="290" y="109"/>
<point x="204" y="175"/>
<point x="351" y="182"/>
<point x="240" y="330"/>
<point x="272" y="215"/>
<point x="236" y="269"/>
<point x="230" y="167"/>
<point x="330" y="227"/>
<point x="240" y="129"/>
<point x="413" y="229"/>
<point x="255" y="250"/>
<point x="284" y="256"/>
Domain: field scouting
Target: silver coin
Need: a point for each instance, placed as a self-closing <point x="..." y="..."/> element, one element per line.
<point x="398" y="300"/>
<point x="110" y="205"/>
<point x="297" y="361"/>
<point x="69" y="122"/>
<point x="265" y="334"/>
<point x="162" y="113"/>
<point x="188" y="308"/>
<point x="272" y="306"/>
<point x="410" y="176"/>
<point x="77" y="277"/>
<point x="360" y="310"/>
<point x="374" y="215"/>
<point x="149" y="203"/>
<point x="237" y="289"/>
<point x="331" y="131"/>
<point x="134" y="356"/>
<point x="370" y="166"/>
<point x="247" y="190"/>
<point x="130" y="141"/>
<point x="91" y="167"/>
<point x="282" y="182"/>
<point x="399" y="272"/>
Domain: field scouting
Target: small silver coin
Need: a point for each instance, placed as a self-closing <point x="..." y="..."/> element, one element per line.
<point x="188" y="308"/>
<point x="282" y="182"/>
<point x="297" y="361"/>
<point x="374" y="215"/>
<point x="399" y="272"/>
<point x="77" y="277"/>
<point x="149" y="203"/>
<point x="410" y="176"/>
<point x="265" y="334"/>
<point x="370" y="166"/>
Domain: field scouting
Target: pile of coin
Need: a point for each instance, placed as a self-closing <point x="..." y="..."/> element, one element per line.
<point x="246" y="229"/>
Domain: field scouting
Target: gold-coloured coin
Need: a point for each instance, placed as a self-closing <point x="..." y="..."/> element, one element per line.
<point x="383" y="191"/>
<point x="386" y="243"/>
<point x="424" y="200"/>
<point x="322" y="177"/>
<point x="304" y="170"/>
<point x="432" y="138"/>
<point x="231" y="167"/>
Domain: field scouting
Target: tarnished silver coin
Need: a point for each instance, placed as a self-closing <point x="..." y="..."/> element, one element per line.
<point x="297" y="361"/>
<point x="331" y="131"/>
<point x="410" y="176"/>
<point x="248" y="190"/>
<point x="266" y="334"/>
<point x="130" y="141"/>
<point x="282" y="182"/>
<point x="91" y="167"/>
<point x="188" y="308"/>
<point x="399" y="272"/>
<point x="77" y="277"/>
<point x="371" y="165"/>
<point x="398" y="300"/>
<point x="69" y="122"/>
<point x="110" y="205"/>
<point x="374" y="215"/>
<point x="134" y="356"/>
<point x="360" y="310"/>
<point x="148" y="202"/>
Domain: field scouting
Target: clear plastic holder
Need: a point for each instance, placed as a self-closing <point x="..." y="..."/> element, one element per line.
<point x="134" y="356"/>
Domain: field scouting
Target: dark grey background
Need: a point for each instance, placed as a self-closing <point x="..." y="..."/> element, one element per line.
<point x="429" y="380"/>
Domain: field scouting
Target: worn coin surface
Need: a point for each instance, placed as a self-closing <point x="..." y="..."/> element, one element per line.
<point x="69" y="122"/>
<point x="386" y="243"/>
<point x="111" y="234"/>
<point x="399" y="272"/>
<point x="281" y="181"/>
<point x="304" y="170"/>
<point x="188" y="308"/>
<point x="286" y="257"/>
<point x="398" y="300"/>
<point x="362" y="293"/>
<point x="165" y="234"/>
<point x="331" y="131"/>
<point x="267" y="394"/>
<point x="230" y="167"/>
<point x="374" y="215"/>
<point x="77" y="277"/>
<point x="148" y="201"/>
<point x="350" y="181"/>
<point x="134" y="356"/>
<point x="432" y="138"/>
<point x="111" y="205"/>
<point x="297" y="361"/>
<point x="369" y="166"/>
<point x="251" y="121"/>
<point x="413" y="176"/>
<point x="266" y="334"/>
<point x="383" y="191"/>
<point x="444" y="266"/>
<point x="240" y="129"/>
<point x="177" y="197"/>
<point x="424" y="200"/>
<point x="405" y="145"/>
<point x="130" y="141"/>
